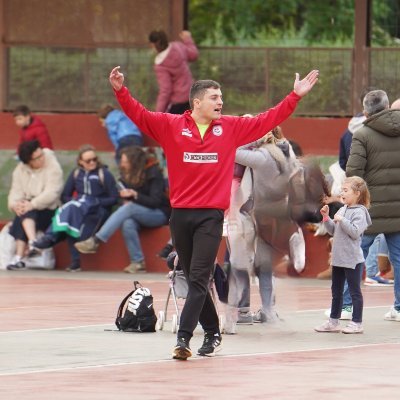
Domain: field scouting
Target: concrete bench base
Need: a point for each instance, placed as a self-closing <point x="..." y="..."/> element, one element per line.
<point x="113" y="256"/>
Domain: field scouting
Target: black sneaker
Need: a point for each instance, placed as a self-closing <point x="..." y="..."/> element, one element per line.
<point x="211" y="345"/>
<point x="74" y="267"/>
<point x="182" y="350"/>
<point x="20" y="265"/>
<point x="164" y="253"/>
<point x="45" y="242"/>
<point x="33" y="253"/>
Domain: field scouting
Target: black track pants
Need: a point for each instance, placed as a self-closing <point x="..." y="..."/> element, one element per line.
<point x="196" y="234"/>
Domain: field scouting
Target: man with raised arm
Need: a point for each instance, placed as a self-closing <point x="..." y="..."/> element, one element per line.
<point x="200" y="148"/>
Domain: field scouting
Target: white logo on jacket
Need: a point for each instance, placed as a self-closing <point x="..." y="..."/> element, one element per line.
<point x="203" y="158"/>
<point x="186" y="132"/>
<point x="217" y="130"/>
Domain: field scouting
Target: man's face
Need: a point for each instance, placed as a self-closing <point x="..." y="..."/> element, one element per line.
<point x="37" y="159"/>
<point x="210" y="106"/>
<point x="22" y="121"/>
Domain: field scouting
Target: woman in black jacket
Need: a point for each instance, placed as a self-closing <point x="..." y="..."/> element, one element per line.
<point x="144" y="204"/>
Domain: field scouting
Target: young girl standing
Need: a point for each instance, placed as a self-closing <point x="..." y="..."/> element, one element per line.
<point x="347" y="228"/>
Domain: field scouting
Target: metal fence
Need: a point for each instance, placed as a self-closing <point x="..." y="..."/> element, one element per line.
<point x="73" y="79"/>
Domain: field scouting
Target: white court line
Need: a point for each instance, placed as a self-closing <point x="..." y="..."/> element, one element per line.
<point x="65" y="369"/>
<point x="56" y="329"/>
<point x="111" y="324"/>
<point x="324" y="309"/>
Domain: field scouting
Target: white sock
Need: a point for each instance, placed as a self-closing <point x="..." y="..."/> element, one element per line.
<point x="16" y="259"/>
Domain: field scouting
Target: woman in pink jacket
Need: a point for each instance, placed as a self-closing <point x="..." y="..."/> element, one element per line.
<point x="171" y="66"/>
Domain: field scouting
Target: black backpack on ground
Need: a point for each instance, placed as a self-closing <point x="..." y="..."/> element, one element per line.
<point x="139" y="315"/>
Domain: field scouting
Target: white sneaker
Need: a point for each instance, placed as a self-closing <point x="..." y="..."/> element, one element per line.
<point x="353" y="327"/>
<point x="347" y="313"/>
<point x="331" y="325"/>
<point x="392" y="315"/>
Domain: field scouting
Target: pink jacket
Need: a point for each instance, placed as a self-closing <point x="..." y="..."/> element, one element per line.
<point x="173" y="73"/>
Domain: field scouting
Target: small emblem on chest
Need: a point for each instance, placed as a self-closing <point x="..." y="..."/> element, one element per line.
<point x="217" y="130"/>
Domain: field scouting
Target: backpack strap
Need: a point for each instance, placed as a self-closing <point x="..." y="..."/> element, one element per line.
<point x="101" y="174"/>
<point x="123" y="302"/>
<point x="121" y="307"/>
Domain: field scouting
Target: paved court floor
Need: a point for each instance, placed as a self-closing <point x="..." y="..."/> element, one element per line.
<point x="58" y="341"/>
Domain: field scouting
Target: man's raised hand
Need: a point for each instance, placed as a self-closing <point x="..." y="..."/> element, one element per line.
<point x="302" y="87"/>
<point x="116" y="78"/>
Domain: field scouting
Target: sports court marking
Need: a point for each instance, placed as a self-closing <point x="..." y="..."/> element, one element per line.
<point x="324" y="309"/>
<point x="105" y="324"/>
<point x="198" y="359"/>
<point x="56" y="329"/>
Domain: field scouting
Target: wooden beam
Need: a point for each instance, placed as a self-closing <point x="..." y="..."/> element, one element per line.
<point x="177" y="18"/>
<point x="361" y="55"/>
<point x="3" y="59"/>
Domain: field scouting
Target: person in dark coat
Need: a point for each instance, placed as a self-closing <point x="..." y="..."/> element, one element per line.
<point x="374" y="156"/>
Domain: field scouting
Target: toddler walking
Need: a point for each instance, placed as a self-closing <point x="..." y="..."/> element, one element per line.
<point x="347" y="228"/>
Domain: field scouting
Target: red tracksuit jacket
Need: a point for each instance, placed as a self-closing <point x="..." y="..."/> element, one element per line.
<point x="200" y="170"/>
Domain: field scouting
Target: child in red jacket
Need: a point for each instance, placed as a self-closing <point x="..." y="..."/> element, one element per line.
<point x="32" y="128"/>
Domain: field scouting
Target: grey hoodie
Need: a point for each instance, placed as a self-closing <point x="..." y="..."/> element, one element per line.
<point x="347" y="234"/>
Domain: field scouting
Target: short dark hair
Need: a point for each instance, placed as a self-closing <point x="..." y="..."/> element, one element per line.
<point x="160" y="40"/>
<point x="26" y="149"/>
<point x="199" y="88"/>
<point x="22" y="110"/>
<point x="104" y="110"/>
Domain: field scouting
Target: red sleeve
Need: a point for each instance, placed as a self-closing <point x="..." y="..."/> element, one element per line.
<point x="250" y="129"/>
<point x="153" y="124"/>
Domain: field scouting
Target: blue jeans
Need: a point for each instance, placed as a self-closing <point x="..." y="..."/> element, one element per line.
<point x="371" y="261"/>
<point x="130" y="217"/>
<point x="239" y="289"/>
<point x="263" y="270"/>
<point x="393" y="244"/>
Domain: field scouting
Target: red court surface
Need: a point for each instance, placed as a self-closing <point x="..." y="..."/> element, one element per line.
<point x="58" y="341"/>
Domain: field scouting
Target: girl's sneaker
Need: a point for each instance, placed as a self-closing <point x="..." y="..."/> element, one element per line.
<point x="353" y="327"/>
<point x="329" y="326"/>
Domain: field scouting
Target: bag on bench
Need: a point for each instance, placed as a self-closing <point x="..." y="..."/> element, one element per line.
<point x="138" y="310"/>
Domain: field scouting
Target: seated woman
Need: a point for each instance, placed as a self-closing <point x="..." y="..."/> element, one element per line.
<point x="88" y="196"/>
<point x="36" y="186"/>
<point x="144" y="204"/>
